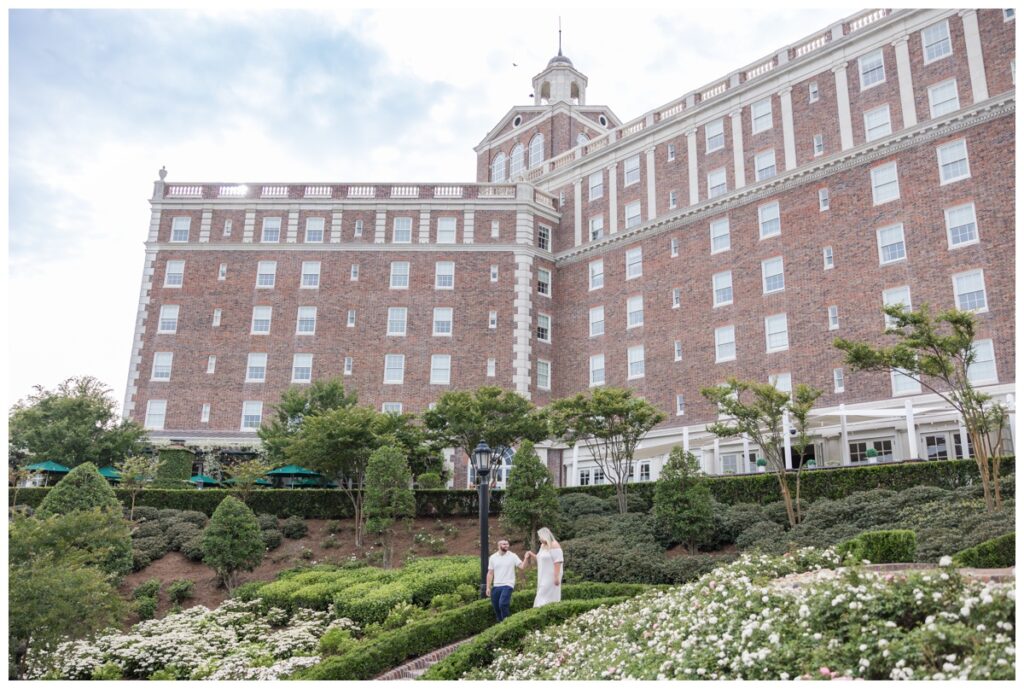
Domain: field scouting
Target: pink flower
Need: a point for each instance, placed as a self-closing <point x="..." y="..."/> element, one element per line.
<point x="825" y="672"/>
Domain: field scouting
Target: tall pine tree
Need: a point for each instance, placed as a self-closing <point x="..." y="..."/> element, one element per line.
<point x="682" y="500"/>
<point x="531" y="500"/>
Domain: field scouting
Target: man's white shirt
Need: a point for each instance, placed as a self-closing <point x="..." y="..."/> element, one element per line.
<point x="504" y="567"/>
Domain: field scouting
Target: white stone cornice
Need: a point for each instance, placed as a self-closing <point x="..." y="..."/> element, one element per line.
<point x="369" y="247"/>
<point x="901" y="40"/>
<point x="841" y="66"/>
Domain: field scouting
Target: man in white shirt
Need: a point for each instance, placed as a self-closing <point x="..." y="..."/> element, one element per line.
<point x="501" y="579"/>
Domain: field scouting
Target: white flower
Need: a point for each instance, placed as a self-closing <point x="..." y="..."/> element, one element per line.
<point x="945" y="561"/>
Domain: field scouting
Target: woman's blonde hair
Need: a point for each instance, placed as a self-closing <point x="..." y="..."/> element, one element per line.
<point x="545" y="535"/>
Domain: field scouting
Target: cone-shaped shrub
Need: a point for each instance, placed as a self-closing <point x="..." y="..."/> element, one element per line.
<point x="232" y="542"/>
<point x="82" y="489"/>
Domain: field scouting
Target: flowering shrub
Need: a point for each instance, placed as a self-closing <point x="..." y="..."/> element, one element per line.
<point x="235" y="641"/>
<point x="752" y="620"/>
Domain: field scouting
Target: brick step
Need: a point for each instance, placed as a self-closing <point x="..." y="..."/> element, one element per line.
<point x="416" y="667"/>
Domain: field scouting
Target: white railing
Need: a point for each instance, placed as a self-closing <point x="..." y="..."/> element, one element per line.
<point x="185" y="191"/>
<point x="760" y="69"/>
<point x="597" y="144"/>
<point x="633" y="127"/>
<point x="563" y="160"/>
<point x="533" y="174"/>
<point x="713" y="91"/>
<point x="674" y="110"/>
<point x="869" y="18"/>
<point x="497" y="192"/>
<point x="818" y="42"/>
<point x="274" y="192"/>
<point x="318" y="192"/>
<point x="232" y="191"/>
<point x="448" y="192"/>
<point x="544" y="200"/>
<point x="362" y="192"/>
<point x="405" y="192"/>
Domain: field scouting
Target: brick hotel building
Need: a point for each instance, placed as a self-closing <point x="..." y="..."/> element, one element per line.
<point x="734" y="231"/>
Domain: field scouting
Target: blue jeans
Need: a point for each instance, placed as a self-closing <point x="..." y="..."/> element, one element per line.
<point x="501" y="601"/>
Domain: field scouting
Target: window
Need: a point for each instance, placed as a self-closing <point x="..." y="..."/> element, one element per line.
<point x="833" y="317"/>
<point x="543" y="237"/>
<point x="348" y="366"/>
<point x="162" y="362"/>
<point x="936" y="446"/>
<point x="673" y="247"/>
<point x="983" y="368"/>
<point x="761" y="115"/>
<point x="358" y="231"/>
<point x="353" y="273"/>
<point x="859" y="450"/>
<point x="961" y="226"/>
<point x="444" y="275"/>
<point x="678" y="350"/>
<point x="677" y="297"/>
<point x="311" y="274"/>
<point x="943" y="98"/>
<point x="596" y="185"/>
<point x="155" y="412"/>
<point x="634" y="263"/>
<point x="596" y="321"/>
<point x="222" y="272"/>
<point x="725" y="343"/>
<point x="680" y="405"/>
<point x="402" y="231"/>
<point x="536" y="150"/>
<point x="773" y="278"/>
<point x="216" y="318"/>
<point x="872" y="70"/>
<point x="671" y="152"/>
<point x="399" y="275"/>
<point x="783" y="382"/>
<point x="890" y="245"/>
<point x="935" y="42"/>
<point x="175" y="275"/>
<point x="498" y="168"/>
<point x="256" y="368"/>
<point x="823" y="200"/>
<point x="491" y="366"/>
<point x="517" y="161"/>
<point x="252" y="415"/>
<point x="636" y="362"/>
<point x="644" y="471"/>
<point x="544" y="282"/>
<point x="1009" y="15"/>
<point x="885" y="185"/>
<point x="266" y="274"/>
<point x="721" y="284"/>
<point x="211" y="364"/>
<point x="714" y="135"/>
<point x="768" y="220"/>
<point x="179" y="229"/>
<point x="720" y="235"/>
<point x="204" y="415"/>
<point x="492" y="320"/>
<point x="969" y="289"/>
<point x="440" y="369"/>
<point x="838" y="381"/>
<point x="543" y="327"/>
<point x="673" y="199"/>
<point x="632" y="214"/>
<point x="305" y="322"/>
<point x="596" y="228"/>
<point x="776" y="333"/>
<point x="877" y="123"/>
<point x="495" y="229"/>
<point x="261" y="317"/>
<point x="396" y="320"/>
<point x="227" y="228"/>
<point x="902" y="384"/>
<point x="812" y="92"/>
<point x="314" y="230"/>
<point x="302" y="368"/>
<point x="953" y="163"/>
<point x="891" y="297"/>
<point x="631" y="171"/>
<point x="634" y="312"/>
<point x="394" y="368"/>
<point x="543" y="374"/>
<point x="764" y="165"/>
<point x="168" y="319"/>
<point x="584" y="477"/>
<point x="597" y="274"/>
<point x="596" y="369"/>
<point x="446" y="230"/>
<point x="271" y="230"/>
<point x="443" y="322"/>
<point x="391" y="407"/>
<point x="716" y="183"/>
<point x="819" y="144"/>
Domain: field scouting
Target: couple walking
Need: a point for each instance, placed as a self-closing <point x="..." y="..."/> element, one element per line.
<point x="501" y="574"/>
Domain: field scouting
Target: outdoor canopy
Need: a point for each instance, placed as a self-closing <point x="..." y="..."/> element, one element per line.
<point x="48" y="466"/>
<point x="204" y="480"/>
<point x="292" y="470"/>
<point x="110" y="473"/>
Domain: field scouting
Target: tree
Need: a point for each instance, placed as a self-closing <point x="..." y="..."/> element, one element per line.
<point x="411" y="438"/>
<point x="500" y="418"/>
<point x="389" y="496"/>
<point x="83" y="488"/>
<point x="97" y="538"/>
<point x="610" y="423"/>
<point x="761" y="420"/>
<point x="682" y="500"/>
<point x="531" y="500"/>
<point x="298" y="403"/>
<point x="246" y="473"/>
<point x="938" y="352"/>
<point x="232" y="541"/>
<point x="73" y="424"/>
<point x="338" y="444"/>
<point x="136" y="472"/>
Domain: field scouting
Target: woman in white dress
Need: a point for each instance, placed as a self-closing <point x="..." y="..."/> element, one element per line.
<point x="549" y="569"/>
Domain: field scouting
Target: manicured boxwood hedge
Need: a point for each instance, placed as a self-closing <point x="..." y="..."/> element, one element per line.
<point x="392" y="648"/>
<point x="312" y="503"/>
<point x="894" y="545"/>
<point x="993" y="553"/>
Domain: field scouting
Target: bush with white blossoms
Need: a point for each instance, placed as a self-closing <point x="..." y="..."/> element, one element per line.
<point x="238" y="640"/>
<point x="750" y="620"/>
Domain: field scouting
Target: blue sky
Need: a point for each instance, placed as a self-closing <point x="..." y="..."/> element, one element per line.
<point x="100" y="99"/>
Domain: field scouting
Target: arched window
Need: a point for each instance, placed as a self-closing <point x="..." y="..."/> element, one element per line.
<point x="501" y="465"/>
<point x="515" y="167"/>
<point x="536" y="150"/>
<point x="581" y="139"/>
<point x="498" y="168"/>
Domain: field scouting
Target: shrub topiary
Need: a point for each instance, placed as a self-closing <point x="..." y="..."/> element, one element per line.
<point x="294" y="527"/>
<point x="897" y="545"/>
<point x="108" y="671"/>
<point x="232" y="542"/>
<point x="402" y="614"/>
<point x="330" y="541"/>
<point x="155" y="546"/>
<point x="467" y="592"/>
<point x="776" y="511"/>
<point x="140" y="560"/>
<point x="145" y="514"/>
<point x="429" y="481"/>
<point x="267" y="521"/>
<point x="147" y="589"/>
<point x="169" y="515"/>
<point x="575" y="505"/>
<point x="180" y="589"/>
<point x="83" y="488"/>
<point x="738" y="518"/>
<point x="272" y="538"/>
<point x="193" y="517"/>
<point x="193" y="548"/>
<point x="332" y="526"/>
<point x="336" y="642"/>
<point x="180" y="533"/>
<point x="446" y="601"/>
<point x="991" y="554"/>
<point x="148" y="530"/>
<point x="145" y="608"/>
<point x="761" y="535"/>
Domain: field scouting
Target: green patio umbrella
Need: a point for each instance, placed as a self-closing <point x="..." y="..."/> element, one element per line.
<point x="312" y="483"/>
<point x="110" y="473"/>
<point x="48" y="467"/>
<point x="292" y="470"/>
<point x="203" y="480"/>
<point x="259" y="482"/>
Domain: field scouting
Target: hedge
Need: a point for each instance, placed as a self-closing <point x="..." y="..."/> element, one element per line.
<point x="320" y="503"/>
<point x="896" y="545"/>
<point x="480" y="651"/>
<point x="992" y="554"/>
<point x="376" y="656"/>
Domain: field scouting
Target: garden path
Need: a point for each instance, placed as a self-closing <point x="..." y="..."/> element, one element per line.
<point x="416" y="667"/>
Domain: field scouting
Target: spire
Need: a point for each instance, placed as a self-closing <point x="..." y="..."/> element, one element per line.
<point x="559" y="36"/>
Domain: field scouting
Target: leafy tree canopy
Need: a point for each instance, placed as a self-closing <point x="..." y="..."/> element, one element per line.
<point x="298" y="403"/>
<point x="232" y="540"/>
<point x="531" y="500"/>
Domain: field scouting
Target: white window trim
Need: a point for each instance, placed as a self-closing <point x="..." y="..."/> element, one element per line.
<point x="828" y="257"/>
<point x="590" y="275"/>
<point x="860" y="70"/>
<point x="924" y="48"/>
<point x="451" y="322"/>
<point x="626" y="215"/>
<point x="626" y="170"/>
<point x="725" y="180"/>
<point x="547" y="316"/>
<point x="984" y="289"/>
<point x="149" y="412"/>
<point x="438" y="274"/>
<point x="761" y="221"/>
<point x="836" y="387"/>
<point x="718" y="343"/>
<point x="728" y="233"/>
<point x="949" y="228"/>
<point x="629" y="363"/>
<point x="639" y="263"/>
<point x="405" y="322"/>
<point x="878" y="242"/>
<point x="401" y="379"/>
<point x="630" y="326"/>
<point x="874" y="198"/>
<point x="394" y="230"/>
<point x="187" y="229"/>
<point x="765" y="276"/>
<point x="298" y="320"/>
<point x="305" y="236"/>
<point x="259" y="405"/>
<point x="888" y="118"/>
<point x="391" y="278"/>
<point x="160" y="319"/>
<point x="995" y="369"/>
<point x="967" y="161"/>
<point x="603" y="369"/>
<point x="757" y="165"/>
<point x="303" y="273"/>
<point x="170" y="367"/>
<point x="548" y="363"/>
<point x="449" y="377"/>
<point x="824" y="200"/>
<point x="252" y="325"/>
<point x="707" y="139"/>
<point x="272" y="273"/>
<point x="754" y="117"/>
<point x="767" y="334"/>
<point x="263" y="230"/>
<point x="168" y="273"/>
<point x="905" y="393"/>
<point x="591" y="322"/>
<point x="249" y="365"/>
<point x="714" y="290"/>
<point x="550" y="278"/>
<point x="931" y="100"/>
<point x="302" y="381"/>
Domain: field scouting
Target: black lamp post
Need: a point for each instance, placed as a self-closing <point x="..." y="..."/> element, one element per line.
<point x="482" y="465"/>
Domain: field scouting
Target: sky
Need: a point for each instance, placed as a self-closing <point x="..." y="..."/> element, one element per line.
<point x="99" y="100"/>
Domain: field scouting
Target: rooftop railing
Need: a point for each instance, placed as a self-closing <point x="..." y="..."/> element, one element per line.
<point x="398" y="192"/>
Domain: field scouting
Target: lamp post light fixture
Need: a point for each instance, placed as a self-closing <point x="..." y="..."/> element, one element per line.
<point x="482" y="465"/>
